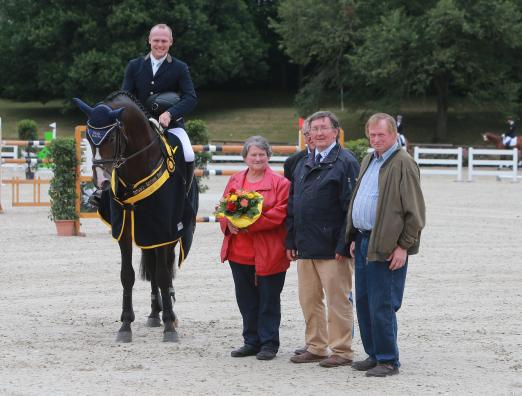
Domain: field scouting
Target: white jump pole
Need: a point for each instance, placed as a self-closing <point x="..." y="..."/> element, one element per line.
<point x="53" y="125"/>
<point x="1" y="181"/>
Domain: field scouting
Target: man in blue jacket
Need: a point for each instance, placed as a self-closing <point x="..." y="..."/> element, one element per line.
<point x="159" y="72"/>
<point x="316" y="223"/>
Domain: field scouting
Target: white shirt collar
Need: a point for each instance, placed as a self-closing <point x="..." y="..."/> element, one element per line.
<point x="326" y="151"/>
<point x="158" y="61"/>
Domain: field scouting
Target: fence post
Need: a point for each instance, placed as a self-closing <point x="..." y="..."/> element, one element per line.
<point x="459" y="166"/>
<point x="470" y="164"/>
<point x="416" y="154"/>
<point x="515" y="164"/>
<point x="1" y="161"/>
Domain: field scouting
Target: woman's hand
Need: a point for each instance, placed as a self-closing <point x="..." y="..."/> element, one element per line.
<point x="232" y="228"/>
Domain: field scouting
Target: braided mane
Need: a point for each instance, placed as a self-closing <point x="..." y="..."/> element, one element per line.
<point x="127" y="94"/>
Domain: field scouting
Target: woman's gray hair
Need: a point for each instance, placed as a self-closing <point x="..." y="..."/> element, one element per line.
<point x="258" y="141"/>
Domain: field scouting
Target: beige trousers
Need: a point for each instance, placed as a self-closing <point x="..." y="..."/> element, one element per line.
<point x="333" y="279"/>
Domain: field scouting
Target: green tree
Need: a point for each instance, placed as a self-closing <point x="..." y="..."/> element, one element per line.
<point x="63" y="49"/>
<point x="317" y="35"/>
<point x="446" y="47"/>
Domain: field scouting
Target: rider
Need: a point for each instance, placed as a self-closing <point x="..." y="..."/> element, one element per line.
<point x="402" y="139"/>
<point x="159" y="72"/>
<point x="509" y="135"/>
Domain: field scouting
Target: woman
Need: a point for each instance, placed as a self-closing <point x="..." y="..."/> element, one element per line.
<point x="257" y="254"/>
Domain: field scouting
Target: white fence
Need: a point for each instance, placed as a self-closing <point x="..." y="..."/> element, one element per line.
<point x="495" y="161"/>
<point x="453" y="165"/>
<point x="9" y="151"/>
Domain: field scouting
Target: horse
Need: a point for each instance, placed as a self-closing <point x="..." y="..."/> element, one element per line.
<point x="144" y="199"/>
<point x="497" y="140"/>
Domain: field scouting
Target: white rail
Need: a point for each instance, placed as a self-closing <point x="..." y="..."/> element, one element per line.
<point x="452" y="166"/>
<point x="474" y="164"/>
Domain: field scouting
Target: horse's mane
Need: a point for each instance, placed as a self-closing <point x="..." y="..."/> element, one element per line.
<point x="127" y="94"/>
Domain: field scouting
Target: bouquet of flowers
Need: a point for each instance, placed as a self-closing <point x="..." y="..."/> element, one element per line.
<point x="241" y="208"/>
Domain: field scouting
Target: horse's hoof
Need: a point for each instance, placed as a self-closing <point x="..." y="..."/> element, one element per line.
<point x="153" y="322"/>
<point x="124" y="336"/>
<point x="170" y="336"/>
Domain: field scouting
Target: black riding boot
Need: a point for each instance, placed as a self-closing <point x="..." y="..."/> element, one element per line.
<point x="95" y="199"/>
<point x="189" y="174"/>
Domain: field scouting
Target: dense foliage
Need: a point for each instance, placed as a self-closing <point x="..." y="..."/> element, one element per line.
<point x="198" y="134"/>
<point x="27" y="130"/>
<point x="358" y="147"/>
<point x="62" y="191"/>
<point x="397" y="48"/>
<point x="63" y="49"/>
<point x="370" y="52"/>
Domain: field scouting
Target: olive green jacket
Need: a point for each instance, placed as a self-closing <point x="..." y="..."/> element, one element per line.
<point x="401" y="213"/>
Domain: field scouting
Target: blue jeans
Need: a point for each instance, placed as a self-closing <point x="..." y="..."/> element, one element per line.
<point x="259" y="304"/>
<point x="378" y="296"/>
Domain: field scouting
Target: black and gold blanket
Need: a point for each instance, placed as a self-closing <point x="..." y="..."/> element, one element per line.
<point x="159" y="210"/>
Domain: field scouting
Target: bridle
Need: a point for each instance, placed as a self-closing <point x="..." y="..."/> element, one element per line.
<point x="118" y="139"/>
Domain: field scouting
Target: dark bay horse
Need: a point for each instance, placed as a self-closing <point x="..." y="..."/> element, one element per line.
<point x="144" y="200"/>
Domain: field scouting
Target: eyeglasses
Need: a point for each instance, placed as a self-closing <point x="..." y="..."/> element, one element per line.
<point x="322" y="128"/>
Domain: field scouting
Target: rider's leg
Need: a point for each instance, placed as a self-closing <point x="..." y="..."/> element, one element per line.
<point x="187" y="152"/>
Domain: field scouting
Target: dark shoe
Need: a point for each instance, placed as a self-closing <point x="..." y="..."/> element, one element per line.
<point x="245" y="350"/>
<point x="364" y="365"/>
<point x="335" y="361"/>
<point x="300" y="351"/>
<point x="266" y="354"/>
<point x="382" y="370"/>
<point x="307" y="357"/>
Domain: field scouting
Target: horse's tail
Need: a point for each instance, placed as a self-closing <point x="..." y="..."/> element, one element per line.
<point x="148" y="262"/>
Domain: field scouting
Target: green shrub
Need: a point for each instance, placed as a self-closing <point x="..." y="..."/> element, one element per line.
<point x="27" y="130"/>
<point x="198" y="134"/>
<point x="359" y="147"/>
<point x="62" y="191"/>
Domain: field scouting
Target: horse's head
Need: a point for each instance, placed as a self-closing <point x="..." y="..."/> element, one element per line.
<point x="104" y="136"/>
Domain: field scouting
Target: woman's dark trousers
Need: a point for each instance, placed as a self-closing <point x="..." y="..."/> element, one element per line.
<point x="259" y="301"/>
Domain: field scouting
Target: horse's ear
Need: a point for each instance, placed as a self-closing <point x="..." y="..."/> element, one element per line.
<point x="83" y="106"/>
<point x="116" y="113"/>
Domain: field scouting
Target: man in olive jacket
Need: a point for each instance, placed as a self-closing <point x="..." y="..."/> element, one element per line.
<point x="384" y="223"/>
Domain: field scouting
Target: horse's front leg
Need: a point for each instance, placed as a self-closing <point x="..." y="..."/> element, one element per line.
<point x="127" y="277"/>
<point x="164" y="264"/>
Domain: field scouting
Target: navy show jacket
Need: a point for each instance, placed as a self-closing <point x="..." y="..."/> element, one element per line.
<point x="172" y="76"/>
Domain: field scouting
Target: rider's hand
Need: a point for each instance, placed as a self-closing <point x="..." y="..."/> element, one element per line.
<point x="164" y="119"/>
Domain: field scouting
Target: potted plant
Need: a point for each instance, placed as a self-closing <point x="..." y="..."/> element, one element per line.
<point x="28" y="130"/>
<point x="62" y="190"/>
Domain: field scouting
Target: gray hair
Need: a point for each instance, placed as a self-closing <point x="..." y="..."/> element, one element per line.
<point x="391" y="124"/>
<point x="260" y="142"/>
<point x="324" y="114"/>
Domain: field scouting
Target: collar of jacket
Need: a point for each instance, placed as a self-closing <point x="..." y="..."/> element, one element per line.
<point x="371" y="157"/>
<point x="264" y="184"/>
<point x="168" y="58"/>
<point x="331" y="157"/>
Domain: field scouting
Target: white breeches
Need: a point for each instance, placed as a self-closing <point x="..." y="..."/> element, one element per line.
<point x="185" y="143"/>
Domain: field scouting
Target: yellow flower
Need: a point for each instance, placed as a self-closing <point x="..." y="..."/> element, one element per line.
<point x="233" y="197"/>
<point x="250" y="195"/>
